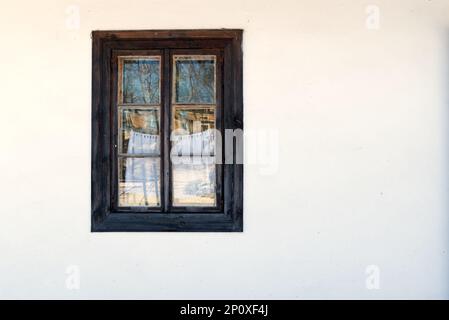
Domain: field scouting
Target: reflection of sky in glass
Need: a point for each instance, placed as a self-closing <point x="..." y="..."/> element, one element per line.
<point x="141" y="81"/>
<point x="195" y="81"/>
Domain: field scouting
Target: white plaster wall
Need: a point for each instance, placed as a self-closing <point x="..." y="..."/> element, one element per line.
<point x="362" y="177"/>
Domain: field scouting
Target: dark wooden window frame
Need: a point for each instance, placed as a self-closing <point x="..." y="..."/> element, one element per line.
<point x="228" y="215"/>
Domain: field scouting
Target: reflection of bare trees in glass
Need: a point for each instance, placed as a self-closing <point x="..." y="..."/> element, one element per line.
<point x="195" y="81"/>
<point x="141" y="81"/>
<point x="146" y="73"/>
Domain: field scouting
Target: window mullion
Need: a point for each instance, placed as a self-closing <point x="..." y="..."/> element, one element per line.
<point x="166" y="130"/>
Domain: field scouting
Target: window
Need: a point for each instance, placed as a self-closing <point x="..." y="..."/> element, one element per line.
<point x="167" y="118"/>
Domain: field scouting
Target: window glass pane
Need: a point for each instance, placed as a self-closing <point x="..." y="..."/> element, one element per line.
<point x="194" y="79"/>
<point x="194" y="132"/>
<point x="194" y="181"/>
<point x="139" y="182"/>
<point x="140" y="80"/>
<point x="140" y="131"/>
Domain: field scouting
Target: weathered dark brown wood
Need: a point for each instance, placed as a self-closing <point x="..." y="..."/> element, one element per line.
<point x="168" y="34"/>
<point x="166" y="131"/>
<point x="237" y="82"/>
<point x="106" y="216"/>
<point x="97" y="201"/>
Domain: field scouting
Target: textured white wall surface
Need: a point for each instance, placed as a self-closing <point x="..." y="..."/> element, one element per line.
<point x="357" y="96"/>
